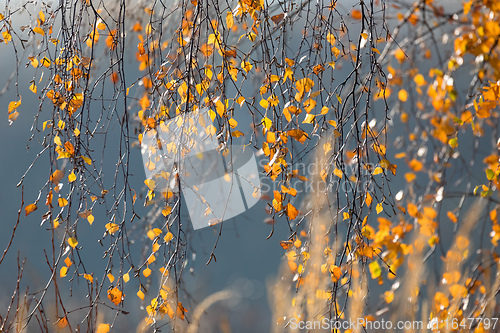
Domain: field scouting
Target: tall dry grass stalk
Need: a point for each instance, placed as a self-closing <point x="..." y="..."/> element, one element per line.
<point x="459" y="251"/>
<point x="306" y="296"/>
<point x="194" y="327"/>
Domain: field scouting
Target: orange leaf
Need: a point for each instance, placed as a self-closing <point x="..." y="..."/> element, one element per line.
<point x="72" y="242"/>
<point x="69" y="148"/>
<point x="112" y="228"/>
<point x="30" y="208"/>
<point x="337" y="172"/>
<point x="368" y="199"/>
<point x="356" y="14"/>
<point x="56" y="176"/>
<point x="291" y="211"/>
<point x="62" y="202"/>
<point x="452" y="217"/>
<point x="402" y="95"/>
<point x="103" y="328"/>
<point x="115" y="295"/>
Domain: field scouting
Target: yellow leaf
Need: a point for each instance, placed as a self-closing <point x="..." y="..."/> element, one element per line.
<point x="151" y="259"/>
<point x="267" y="122"/>
<point x="30" y="209"/>
<point x="166" y="211"/>
<point x="368" y="199"/>
<point x="452" y="217"/>
<point x="327" y="147"/>
<point x="388" y="296"/>
<point x="150" y="184"/>
<point x="291" y="211"/>
<point x="240" y="100"/>
<point x="71" y="177"/>
<point x="34" y="61"/>
<point x="86" y="159"/>
<point x="233" y="123"/>
<point x="39" y="30"/>
<point x="271" y="137"/>
<point x="378" y="170"/>
<point x="211" y="130"/>
<point x="90" y="219"/>
<point x="168" y="237"/>
<point x="402" y="95"/>
<point x="140" y="294"/>
<point x="102" y="328"/>
<point x="330" y="38"/>
<point x="14" y="105"/>
<point x="89" y="277"/>
<point x="146" y="272"/>
<point x="236" y="134"/>
<point x="62" y="202"/>
<point x="56" y="177"/>
<point x="400" y="55"/>
<point x="115" y="295"/>
<point x="419" y="80"/>
<point x="63" y="271"/>
<point x="7" y="36"/>
<point x="68" y="262"/>
<point x="345" y="215"/>
<point x="379" y="208"/>
<point x="126" y="277"/>
<point x="309" y="119"/>
<point x="264" y="103"/>
<point x="72" y="242"/>
<point x="111" y="277"/>
<point x="375" y="269"/>
<point x="229" y="19"/>
<point x="111" y="228"/>
<point x="337" y="172"/>
<point x="33" y="88"/>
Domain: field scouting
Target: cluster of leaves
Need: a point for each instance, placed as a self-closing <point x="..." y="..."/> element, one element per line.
<point x="337" y="88"/>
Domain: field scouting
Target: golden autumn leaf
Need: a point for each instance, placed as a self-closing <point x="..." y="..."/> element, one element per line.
<point x="375" y="269"/>
<point x="298" y="135"/>
<point x="150" y="184"/>
<point x="356" y="14"/>
<point x="71" y="177"/>
<point x="102" y="328"/>
<point x="62" y="202"/>
<point x="168" y="237"/>
<point x="368" y="199"/>
<point x="30" y="208"/>
<point x="115" y="295"/>
<point x="111" y="228"/>
<point x="291" y="211"/>
<point x="72" y="242"/>
<point x="337" y="172"/>
<point x="39" y="30"/>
